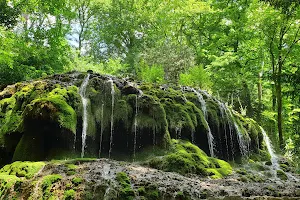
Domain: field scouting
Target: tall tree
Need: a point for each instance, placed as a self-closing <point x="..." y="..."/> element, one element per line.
<point x="8" y="14"/>
<point x="282" y="31"/>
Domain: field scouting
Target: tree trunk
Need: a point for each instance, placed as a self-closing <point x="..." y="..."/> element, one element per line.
<point x="279" y="89"/>
<point x="279" y="103"/>
<point x="259" y="94"/>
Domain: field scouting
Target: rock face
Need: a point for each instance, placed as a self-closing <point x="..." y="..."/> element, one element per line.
<point x="108" y="179"/>
<point x="42" y="120"/>
<point x="169" y="128"/>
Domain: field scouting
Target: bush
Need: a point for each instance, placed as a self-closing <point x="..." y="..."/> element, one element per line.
<point x="196" y="77"/>
<point x="151" y="74"/>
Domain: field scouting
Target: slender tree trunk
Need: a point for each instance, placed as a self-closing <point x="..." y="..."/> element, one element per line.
<point x="279" y="103"/>
<point x="274" y="84"/>
<point x="279" y="89"/>
<point x="79" y="44"/>
<point x="259" y="94"/>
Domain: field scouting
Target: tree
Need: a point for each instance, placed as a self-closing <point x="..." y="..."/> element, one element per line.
<point x="85" y="13"/>
<point x="282" y="31"/>
<point x="8" y="14"/>
<point x="121" y="29"/>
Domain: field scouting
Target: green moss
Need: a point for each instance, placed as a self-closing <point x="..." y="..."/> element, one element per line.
<point x="10" y="118"/>
<point x="22" y="169"/>
<point x="241" y="171"/>
<point x="123" y="112"/>
<point x="243" y="179"/>
<point x="255" y="178"/>
<point x="141" y="191"/>
<point x="285" y="167"/>
<point x="152" y="192"/>
<point x="77" y="181"/>
<point x="38" y="100"/>
<point x="126" y="192"/>
<point x="55" y="109"/>
<point x="177" y="115"/>
<point x="71" y="169"/>
<point x="47" y="184"/>
<point x="185" y="157"/>
<point x="50" y="179"/>
<point x="182" y="196"/>
<point x="69" y="194"/>
<point x="6" y="183"/>
<point x="221" y="169"/>
<point x="281" y="175"/>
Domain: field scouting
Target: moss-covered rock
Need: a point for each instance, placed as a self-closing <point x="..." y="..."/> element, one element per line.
<point x="185" y="157"/>
<point x="22" y="169"/>
<point x="6" y="184"/>
<point x="47" y="183"/>
<point x="281" y="175"/>
<point x="126" y="192"/>
<point x="69" y="194"/>
<point x="43" y="120"/>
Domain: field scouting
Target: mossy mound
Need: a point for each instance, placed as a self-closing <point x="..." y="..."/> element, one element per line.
<point x="12" y="177"/>
<point x="184" y="157"/>
<point x="126" y="192"/>
<point x="7" y="184"/>
<point x="22" y="169"/>
<point x="32" y="113"/>
<point x="47" y="183"/>
<point x="43" y="119"/>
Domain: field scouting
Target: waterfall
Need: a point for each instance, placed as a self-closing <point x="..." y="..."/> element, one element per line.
<point x="210" y="137"/>
<point x="269" y="145"/>
<point x="223" y="112"/>
<point x="135" y="126"/>
<point x="242" y="143"/>
<point x="112" y="116"/>
<point x="178" y="132"/>
<point x="84" y="116"/>
<point x="102" y="129"/>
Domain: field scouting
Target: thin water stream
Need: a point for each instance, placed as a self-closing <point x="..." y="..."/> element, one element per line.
<point x="82" y="92"/>
<point x="112" y="116"/>
<point x="210" y="136"/>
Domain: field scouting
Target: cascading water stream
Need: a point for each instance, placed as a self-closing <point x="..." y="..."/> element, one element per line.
<point x="154" y="136"/>
<point x="210" y="137"/>
<point x="102" y="129"/>
<point x="222" y="111"/>
<point x="274" y="158"/>
<point x="82" y="92"/>
<point x="135" y="126"/>
<point x="112" y="116"/>
<point x="240" y="137"/>
<point x="135" y="122"/>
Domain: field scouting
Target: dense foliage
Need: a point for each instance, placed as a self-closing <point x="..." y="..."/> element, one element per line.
<point x="245" y="52"/>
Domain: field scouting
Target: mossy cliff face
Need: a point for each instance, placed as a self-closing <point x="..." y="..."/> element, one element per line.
<point x="37" y="118"/>
<point x="43" y="120"/>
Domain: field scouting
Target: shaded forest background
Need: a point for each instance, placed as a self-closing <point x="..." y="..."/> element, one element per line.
<point x="245" y="52"/>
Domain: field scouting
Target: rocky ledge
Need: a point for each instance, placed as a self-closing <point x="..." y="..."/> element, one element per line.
<point x="109" y="179"/>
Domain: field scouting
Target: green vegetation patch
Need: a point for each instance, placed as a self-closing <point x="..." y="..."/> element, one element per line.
<point x="55" y="109"/>
<point x="126" y="192"/>
<point x="281" y="175"/>
<point x="47" y="183"/>
<point x="7" y="182"/>
<point x="184" y="157"/>
<point x="69" y="194"/>
<point x="22" y="169"/>
<point x="77" y="181"/>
